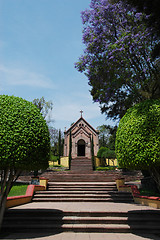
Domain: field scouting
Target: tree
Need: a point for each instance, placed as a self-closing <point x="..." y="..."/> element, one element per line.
<point x="107" y="136"/>
<point x="151" y="8"/>
<point x="70" y="149"/>
<point x="25" y="143"/>
<point x="53" y="132"/>
<point x="92" y="152"/>
<point x="112" y="137"/>
<point x="104" y="153"/>
<point x="101" y="151"/>
<point x="60" y="146"/>
<point x="118" y="56"/>
<point x="138" y="138"/>
<point x="109" y="154"/>
<point x="44" y="107"/>
<point x="103" y="135"/>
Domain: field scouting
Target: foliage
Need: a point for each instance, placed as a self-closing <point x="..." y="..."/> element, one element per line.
<point x="107" y="136"/>
<point x="100" y="151"/>
<point x="138" y="138"/>
<point x="118" y="56"/>
<point x="106" y="168"/>
<point x="24" y="142"/>
<point x="24" y="135"/>
<point x="151" y="7"/>
<point x="53" y="158"/>
<point x="110" y="154"/>
<point x="103" y="135"/>
<point x="92" y="153"/>
<point x="44" y="107"/>
<point x="70" y="149"/>
<point x="144" y="192"/>
<point x="57" y="142"/>
<point x="59" y="146"/>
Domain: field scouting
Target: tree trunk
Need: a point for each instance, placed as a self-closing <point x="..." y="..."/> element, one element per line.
<point x="155" y="173"/>
<point x="9" y="176"/>
<point x="2" y="209"/>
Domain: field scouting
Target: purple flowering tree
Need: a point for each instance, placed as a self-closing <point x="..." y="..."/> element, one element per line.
<point x="118" y="56"/>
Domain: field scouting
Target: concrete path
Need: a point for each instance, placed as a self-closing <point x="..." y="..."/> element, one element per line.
<point x="83" y="206"/>
<point x="81" y="236"/>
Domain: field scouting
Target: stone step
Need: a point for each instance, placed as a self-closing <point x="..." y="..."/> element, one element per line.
<point x="48" y="220"/>
<point x="69" y="220"/>
<point x="84" y="192"/>
<point x="80" y="219"/>
<point x="108" y="228"/>
<point x="81" y="199"/>
<point x="68" y="189"/>
<point x="90" y="185"/>
<point x="73" y="195"/>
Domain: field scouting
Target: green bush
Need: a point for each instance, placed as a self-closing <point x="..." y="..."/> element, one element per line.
<point x="100" y="151"/>
<point x="110" y="154"/>
<point x="106" y="168"/>
<point x="24" y="142"/>
<point x="138" y="138"/>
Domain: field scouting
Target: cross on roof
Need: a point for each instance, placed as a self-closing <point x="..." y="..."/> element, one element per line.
<point x="81" y="112"/>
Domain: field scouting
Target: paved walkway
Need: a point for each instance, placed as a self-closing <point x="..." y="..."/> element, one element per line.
<point x="83" y="206"/>
<point x="82" y="236"/>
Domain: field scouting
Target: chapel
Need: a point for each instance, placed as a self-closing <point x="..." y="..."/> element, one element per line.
<point x="81" y="135"/>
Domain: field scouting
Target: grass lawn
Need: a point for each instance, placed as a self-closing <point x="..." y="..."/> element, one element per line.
<point x="106" y="168"/>
<point x="18" y="190"/>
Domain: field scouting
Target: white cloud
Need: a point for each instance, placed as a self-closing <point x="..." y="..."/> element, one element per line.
<point x="21" y="77"/>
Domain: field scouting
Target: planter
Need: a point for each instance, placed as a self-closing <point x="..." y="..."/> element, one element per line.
<point x="43" y="182"/>
<point x="120" y="182"/>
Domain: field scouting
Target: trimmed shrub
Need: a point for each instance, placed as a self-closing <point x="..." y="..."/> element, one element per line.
<point x="138" y="138"/>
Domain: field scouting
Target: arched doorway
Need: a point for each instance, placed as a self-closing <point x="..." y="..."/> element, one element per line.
<point x="81" y="148"/>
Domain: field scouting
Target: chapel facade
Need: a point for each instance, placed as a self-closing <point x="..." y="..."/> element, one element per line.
<point x="81" y="135"/>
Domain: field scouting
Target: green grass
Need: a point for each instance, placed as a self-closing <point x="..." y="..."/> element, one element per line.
<point x="106" y="168"/>
<point x="18" y="190"/>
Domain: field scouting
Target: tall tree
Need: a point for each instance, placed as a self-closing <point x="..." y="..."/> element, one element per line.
<point x="44" y="107"/>
<point x="118" y="56"/>
<point x="92" y="152"/>
<point x="25" y="143"/>
<point x="103" y="135"/>
<point x="107" y="136"/>
<point x="151" y="8"/>
<point x="70" y="149"/>
<point x="60" y="146"/>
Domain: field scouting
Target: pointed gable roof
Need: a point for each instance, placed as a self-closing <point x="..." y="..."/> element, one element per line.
<point x="78" y="121"/>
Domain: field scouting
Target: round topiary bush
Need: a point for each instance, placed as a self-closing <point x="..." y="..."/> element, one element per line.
<point x="138" y="137"/>
<point x="24" y="142"/>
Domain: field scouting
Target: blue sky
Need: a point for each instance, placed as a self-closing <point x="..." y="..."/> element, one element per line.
<point x="40" y="40"/>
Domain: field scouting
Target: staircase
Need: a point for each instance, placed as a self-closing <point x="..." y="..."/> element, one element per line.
<point x="81" y="165"/>
<point x="56" y="221"/>
<point x="82" y="192"/>
<point x="94" y="176"/>
<point x="81" y="171"/>
<point x="81" y="185"/>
